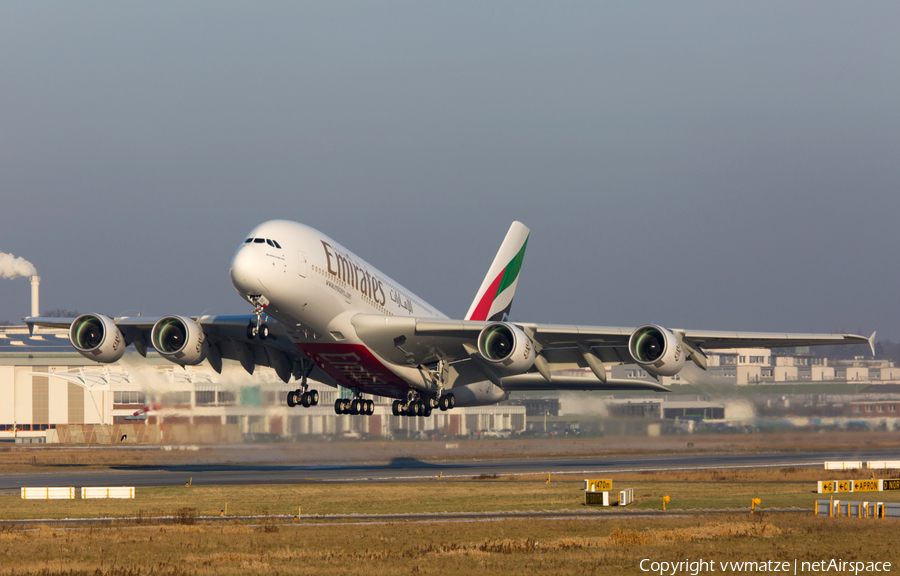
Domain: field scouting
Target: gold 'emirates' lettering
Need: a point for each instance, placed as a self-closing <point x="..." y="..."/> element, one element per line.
<point x="342" y="266"/>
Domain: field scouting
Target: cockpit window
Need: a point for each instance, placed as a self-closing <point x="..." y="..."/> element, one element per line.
<point x="248" y="240"/>
<point x="277" y="245"/>
<point x="259" y="240"/>
<point x="269" y="242"/>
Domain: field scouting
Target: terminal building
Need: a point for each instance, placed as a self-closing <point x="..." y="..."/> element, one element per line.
<point x="49" y="392"/>
<point x="753" y="366"/>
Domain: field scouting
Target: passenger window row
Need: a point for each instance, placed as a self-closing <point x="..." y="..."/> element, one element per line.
<point x="271" y="243"/>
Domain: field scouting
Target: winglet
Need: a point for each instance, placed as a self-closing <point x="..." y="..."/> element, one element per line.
<point x="494" y="298"/>
<point x="872" y="343"/>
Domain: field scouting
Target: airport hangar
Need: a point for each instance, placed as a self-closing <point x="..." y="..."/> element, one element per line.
<point x="48" y="390"/>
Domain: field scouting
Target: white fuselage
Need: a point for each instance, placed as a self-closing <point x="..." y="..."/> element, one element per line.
<point x="313" y="286"/>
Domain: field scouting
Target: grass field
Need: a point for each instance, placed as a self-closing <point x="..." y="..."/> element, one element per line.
<point x="522" y="546"/>
<point x="597" y="543"/>
<point x="729" y="489"/>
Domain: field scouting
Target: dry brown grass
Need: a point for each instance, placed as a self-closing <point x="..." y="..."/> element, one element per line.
<point x="602" y="546"/>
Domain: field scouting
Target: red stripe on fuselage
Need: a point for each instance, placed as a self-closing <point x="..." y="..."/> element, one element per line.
<point x="354" y="366"/>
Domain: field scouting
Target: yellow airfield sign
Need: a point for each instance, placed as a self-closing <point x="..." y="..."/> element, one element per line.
<point x="865" y="486"/>
<point x="598" y="485"/>
<point x="871" y="485"/>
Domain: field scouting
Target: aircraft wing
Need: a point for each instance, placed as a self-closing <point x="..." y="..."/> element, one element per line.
<point x="415" y="341"/>
<point x="227" y="337"/>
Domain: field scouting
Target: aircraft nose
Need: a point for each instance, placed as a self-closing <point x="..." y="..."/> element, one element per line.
<point x="245" y="271"/>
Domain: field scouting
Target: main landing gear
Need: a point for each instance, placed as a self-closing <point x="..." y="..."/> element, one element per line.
<point x="303" y="396"/>
<point x="354" y="407"/>
<point x="447" y="402"/>
<point x="414" y="405"/>
<point x="258" y="329"/>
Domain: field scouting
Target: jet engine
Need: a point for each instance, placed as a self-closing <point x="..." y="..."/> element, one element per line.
<point x="179" y="340"/>
<point x="656" y="350"/>
<point x="97" y="337"/>
<point x="506" y="347"/>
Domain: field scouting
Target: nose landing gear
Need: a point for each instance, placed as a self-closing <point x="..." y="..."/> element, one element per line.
<point x="258" y="329"/>
<point x="254" y="330"/>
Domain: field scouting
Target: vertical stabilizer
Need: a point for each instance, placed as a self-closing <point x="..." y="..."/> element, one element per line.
<point x="494" y="298"/>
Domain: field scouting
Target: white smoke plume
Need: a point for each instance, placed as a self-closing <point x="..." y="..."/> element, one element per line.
<point x="13" y="267"/>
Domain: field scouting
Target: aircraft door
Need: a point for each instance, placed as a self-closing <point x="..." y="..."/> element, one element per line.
<point x="301" y="264"/>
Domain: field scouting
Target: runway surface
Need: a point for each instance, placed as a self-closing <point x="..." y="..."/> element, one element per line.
<point x="407" y="469"/>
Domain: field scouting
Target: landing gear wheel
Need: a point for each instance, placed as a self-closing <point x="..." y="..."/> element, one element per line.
<point x="395" y="408"/>
<point x="251" y="331"/>
<point x="415" y="408"/>
<point x="442" y="403"/>
<point x="263" y="332"/>
<point x="338" y="406"/>
<point x="290" y="399"/>
<point x="451" y="401"/>
<point x="304" y="399"/>
<point x="370" y="407"/>
<point x="427" y="412"/>
<point x="313" y="397"/>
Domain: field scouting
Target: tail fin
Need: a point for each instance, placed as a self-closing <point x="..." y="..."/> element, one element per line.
<point x="494" y="298"/>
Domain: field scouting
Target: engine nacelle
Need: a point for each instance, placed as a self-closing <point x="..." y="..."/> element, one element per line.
<point x="179" y="340"/>
<point x="506" y="347"/>
<point x="97" y="337"/>
<point x="656" y="350"/>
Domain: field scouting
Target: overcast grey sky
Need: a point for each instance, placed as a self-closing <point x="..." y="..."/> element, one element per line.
<point x="700" y="165"/>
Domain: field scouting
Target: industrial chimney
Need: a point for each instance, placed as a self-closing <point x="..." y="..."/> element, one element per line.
<point x="35" y="307"/>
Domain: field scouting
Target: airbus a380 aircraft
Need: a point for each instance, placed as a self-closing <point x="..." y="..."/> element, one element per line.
<point x="341" y="321"/>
